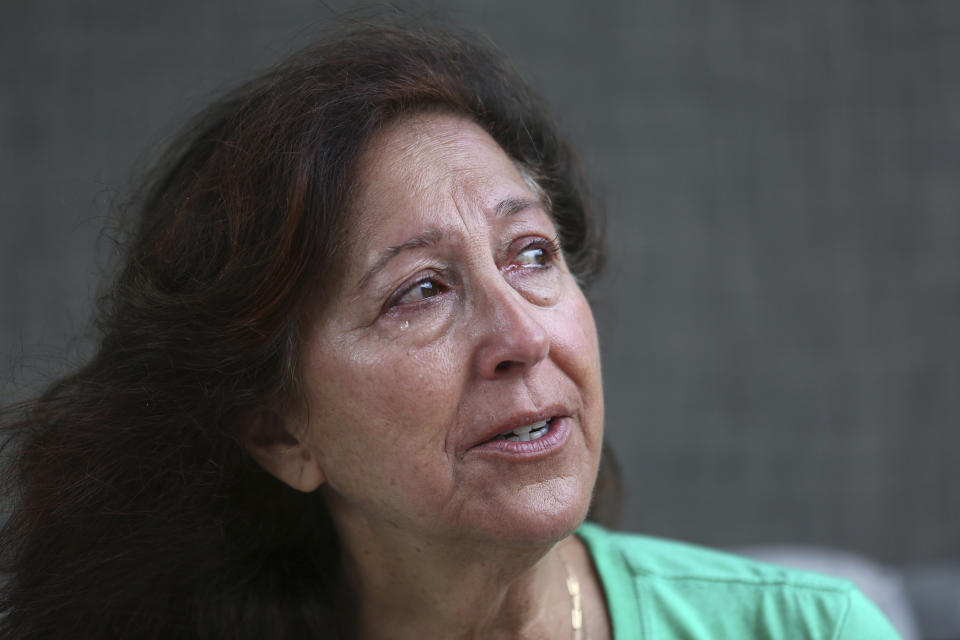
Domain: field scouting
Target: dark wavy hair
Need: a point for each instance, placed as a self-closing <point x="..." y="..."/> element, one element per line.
<point x="138" y="513"/>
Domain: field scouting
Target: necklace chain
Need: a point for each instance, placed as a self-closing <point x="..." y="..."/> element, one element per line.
<point x="576" y="606"/>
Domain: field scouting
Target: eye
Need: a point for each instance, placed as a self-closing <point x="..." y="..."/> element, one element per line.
<point x="420" y="291"/>
<point x="538" y="255"/>
<point x="532" y="256"/>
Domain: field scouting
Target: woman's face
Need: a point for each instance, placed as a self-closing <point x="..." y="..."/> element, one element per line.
<point x="456" y="321"/>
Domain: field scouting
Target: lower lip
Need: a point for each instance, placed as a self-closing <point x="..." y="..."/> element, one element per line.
<point x="556" y="436"/>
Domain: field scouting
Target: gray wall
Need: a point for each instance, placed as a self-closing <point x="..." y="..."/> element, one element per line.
<point x="780" y="317"/>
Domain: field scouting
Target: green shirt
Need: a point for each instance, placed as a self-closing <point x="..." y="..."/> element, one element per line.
<point x="662" y="590"/>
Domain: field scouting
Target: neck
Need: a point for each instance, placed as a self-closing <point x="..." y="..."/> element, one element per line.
<point x="419" y="588"/>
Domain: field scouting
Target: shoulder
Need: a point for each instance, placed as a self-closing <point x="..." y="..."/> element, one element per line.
<point x="660" y="588"/>
<point x="647" y="556"/>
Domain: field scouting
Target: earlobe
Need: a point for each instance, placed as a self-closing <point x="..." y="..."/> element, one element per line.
<point x="268" y="441"/>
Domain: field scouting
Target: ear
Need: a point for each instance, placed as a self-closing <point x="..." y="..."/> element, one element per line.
<point x="268" y="441"/>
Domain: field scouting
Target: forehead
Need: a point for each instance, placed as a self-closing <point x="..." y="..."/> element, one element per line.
<point x="419" y="165"/>
<point x="416" y="144"/>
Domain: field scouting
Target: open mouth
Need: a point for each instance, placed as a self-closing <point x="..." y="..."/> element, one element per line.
<point x="526" y="433"/>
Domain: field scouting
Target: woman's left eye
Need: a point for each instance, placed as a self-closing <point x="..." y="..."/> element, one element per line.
<point x="539" y="254"/>
<point x="533" y="256"/>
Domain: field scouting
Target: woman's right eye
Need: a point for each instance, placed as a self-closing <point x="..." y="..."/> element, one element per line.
<point x="420" y="291"/>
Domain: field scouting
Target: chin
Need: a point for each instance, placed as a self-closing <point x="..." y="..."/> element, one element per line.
<point x="541" y="513"/>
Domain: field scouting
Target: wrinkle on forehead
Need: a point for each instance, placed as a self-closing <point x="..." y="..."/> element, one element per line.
<point x="433" y="154"/>
<point x="434" y="161"/>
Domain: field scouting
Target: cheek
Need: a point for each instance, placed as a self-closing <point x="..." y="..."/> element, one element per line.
<point x="381" y="431"/>
<point x="575" y="338"/>
<point x="380" y="402"/>
<point x="576" y="350"/>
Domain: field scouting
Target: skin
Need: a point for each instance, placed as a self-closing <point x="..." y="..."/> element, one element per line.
<point x="455" y="317"/>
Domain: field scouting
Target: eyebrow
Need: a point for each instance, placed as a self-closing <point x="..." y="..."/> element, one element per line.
<point x="512" y="206"/>
<point x="430" y="237"/>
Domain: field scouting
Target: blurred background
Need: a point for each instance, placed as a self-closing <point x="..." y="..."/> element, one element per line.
<point x="780" y="319"/>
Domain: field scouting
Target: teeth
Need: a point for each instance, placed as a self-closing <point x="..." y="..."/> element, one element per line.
<point x="527" y="433"/>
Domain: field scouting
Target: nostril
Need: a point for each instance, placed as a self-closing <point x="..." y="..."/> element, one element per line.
<point x="503" y="366"/>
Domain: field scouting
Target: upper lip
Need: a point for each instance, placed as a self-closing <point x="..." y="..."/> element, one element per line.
<point x="514" y="421"/>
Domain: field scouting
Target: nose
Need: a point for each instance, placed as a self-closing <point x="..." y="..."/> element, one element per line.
<point x="512" y="339"/>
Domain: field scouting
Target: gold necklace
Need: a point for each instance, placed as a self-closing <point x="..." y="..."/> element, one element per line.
<point x="576" y="607"/>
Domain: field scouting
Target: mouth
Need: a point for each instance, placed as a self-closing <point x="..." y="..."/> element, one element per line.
<point x="526" y="433"/>
<point x="532" y="438"/>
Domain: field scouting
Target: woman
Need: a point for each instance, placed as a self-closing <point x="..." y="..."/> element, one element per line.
<point x="349" y="386"/>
